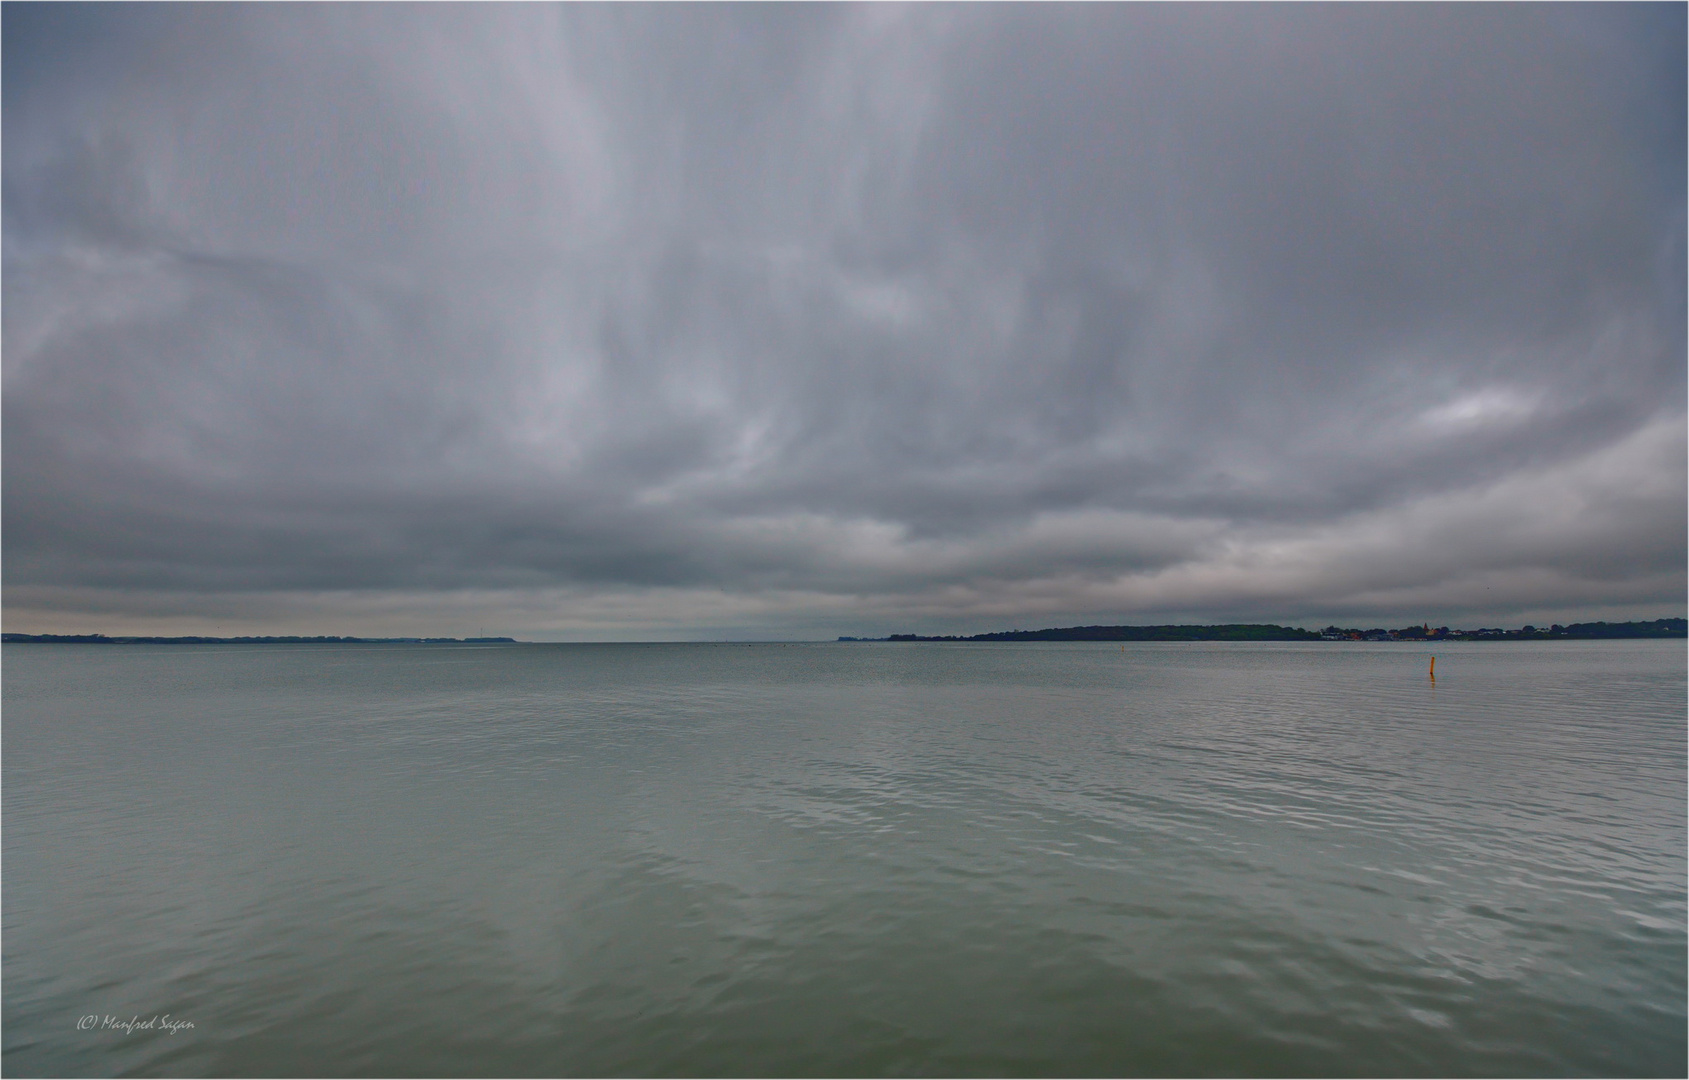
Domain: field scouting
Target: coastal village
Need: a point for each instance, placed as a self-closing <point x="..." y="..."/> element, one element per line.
<point x="1426" y="632"/>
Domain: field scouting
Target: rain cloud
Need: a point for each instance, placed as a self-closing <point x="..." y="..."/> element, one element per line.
<point x="780" y="321"/>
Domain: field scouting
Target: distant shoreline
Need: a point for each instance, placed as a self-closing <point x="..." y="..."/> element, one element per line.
<point x="1596" y="631"/>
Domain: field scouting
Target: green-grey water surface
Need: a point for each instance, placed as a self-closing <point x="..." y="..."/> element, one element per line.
<point x="846" y="859"/>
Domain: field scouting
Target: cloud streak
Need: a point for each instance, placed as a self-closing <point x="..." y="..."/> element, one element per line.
<point x="639" y="321"/>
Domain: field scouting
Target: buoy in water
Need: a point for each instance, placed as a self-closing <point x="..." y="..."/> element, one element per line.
<point x="1433" y="667"/>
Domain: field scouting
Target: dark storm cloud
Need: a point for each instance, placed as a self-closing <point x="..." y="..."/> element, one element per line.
<point x="667" y="318"/>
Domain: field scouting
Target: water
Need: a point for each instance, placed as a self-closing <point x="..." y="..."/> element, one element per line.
<point x="853" y="859"/>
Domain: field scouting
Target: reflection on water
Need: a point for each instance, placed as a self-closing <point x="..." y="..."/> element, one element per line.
<point x="853" y="859"/>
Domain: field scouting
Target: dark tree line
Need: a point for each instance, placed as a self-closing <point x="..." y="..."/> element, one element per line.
<point x="1656" y="628"/>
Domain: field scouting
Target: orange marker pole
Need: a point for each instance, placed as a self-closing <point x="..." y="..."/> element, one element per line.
<point x="1433" y="667"/>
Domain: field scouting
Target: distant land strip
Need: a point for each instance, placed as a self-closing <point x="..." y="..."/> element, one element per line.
<point x="1657" y="628"/>
<point x="101" y="639"/>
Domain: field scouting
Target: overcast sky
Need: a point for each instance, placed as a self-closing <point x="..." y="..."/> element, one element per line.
<point x="685" y="322"/>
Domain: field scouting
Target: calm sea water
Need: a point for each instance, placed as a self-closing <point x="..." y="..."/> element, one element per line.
<point x="852" y="859"/>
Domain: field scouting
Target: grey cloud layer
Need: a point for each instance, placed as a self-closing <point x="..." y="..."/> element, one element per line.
<point x="944" y="312"/>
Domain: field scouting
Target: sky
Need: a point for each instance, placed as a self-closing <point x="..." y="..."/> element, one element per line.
<point x="787" y="322"/>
